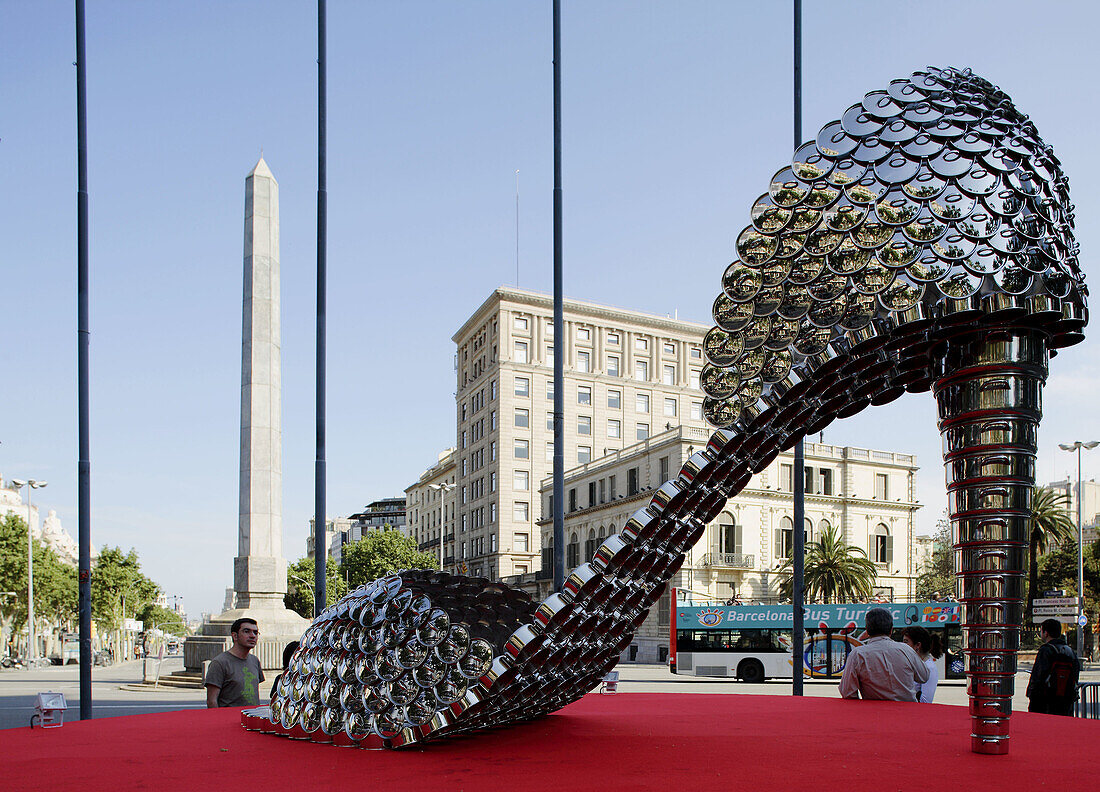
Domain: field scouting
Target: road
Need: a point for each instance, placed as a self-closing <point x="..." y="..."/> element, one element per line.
<point x="18" y="689"/>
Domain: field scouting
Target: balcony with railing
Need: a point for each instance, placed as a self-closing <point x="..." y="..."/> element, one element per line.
<point x="730" y="560"/>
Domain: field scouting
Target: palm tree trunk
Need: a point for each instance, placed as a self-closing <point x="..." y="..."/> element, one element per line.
<point x="1033" y="574"/>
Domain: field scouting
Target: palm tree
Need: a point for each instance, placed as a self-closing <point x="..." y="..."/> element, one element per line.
<point x="835" y="570"/>
<point x="1048" y="526"/>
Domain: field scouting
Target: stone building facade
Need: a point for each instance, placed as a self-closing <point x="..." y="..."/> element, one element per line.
<point x="866" y="494"/>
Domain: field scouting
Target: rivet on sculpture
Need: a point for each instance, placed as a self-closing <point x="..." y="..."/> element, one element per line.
<point x="923" y="242"/>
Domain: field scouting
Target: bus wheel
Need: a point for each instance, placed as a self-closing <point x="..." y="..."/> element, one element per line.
<point x="751" y="671"/>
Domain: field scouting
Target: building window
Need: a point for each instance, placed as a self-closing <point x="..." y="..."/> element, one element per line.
<point x="584" y="455"/>
<point x="613" y="338"/>
<point x="603" y="490"/>
<point x="729" y="535"/>
<point x="584" y="362"/>
<point x="549" y="452"/>
<point x="613" y="365"/>
<point x="521" y="480"/>
<point x="670" y="408"/>
<point x="696" y="411"/>
<point x="614" y="428"/>
<point x="641" y="431"/>
<point x="883" y="545"/>
<point x="668" y="349"/>
<point x="463" y="549"/>
<point x="550" y="329"/>
<point x="549" y="354"/>
<point x="641" y="343"/>
<point x="663" y="467"/>
<point x="826" y="481"/>
<point x="521" y="511"/>
<point x="492" y="481"/>
<point x="523" y="386"/>
<point x="549" y="390"/>
<point x="493" y="390"/>
<point x="611" y="487"/>
<point x="492" y="420"/>
<point x="584" y="334"/>
<point x="631" y="482"/>
<point x="641" y="402"/>
<point x="882" y="491"/>
<point x="492" y="450"/>
<point x="693" y="379"/>
<point x="584" y="394"/>
<point x="522" y="449"/>
<point x="784" y="538"/>
<point x="614" y="400"/>
<point x="462" y="465"/>
<point x="519" y="322"/>
<point x="463" y="443"/>
<point x="492" y="547"/>
<point x="641" y="370"/>
<point x="519" y="543"/>
<point x="786" y="478"/>
<point x="573" y="551"/>
<point x="549" y="421"/>
<point x="573" y="500"/>
<point x="463" y="411"/>
<point x="520" y="355"/>
<point x="590" y="545"/>
<point x="668" y="375"/>
<point x="584" y="424"/>
<point x="523" y="417"/>
<point x="696" y="353"/>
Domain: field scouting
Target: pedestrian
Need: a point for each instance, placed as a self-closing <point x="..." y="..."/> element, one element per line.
<point x="233" y="678"/>
<point x="929" y="649"/>
<point x="288" y="652"/>
<point x="1052" y="687"/>
<point x="882" y="668"/>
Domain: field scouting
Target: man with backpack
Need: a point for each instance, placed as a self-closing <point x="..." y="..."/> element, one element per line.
<point x="1053" y="685"/>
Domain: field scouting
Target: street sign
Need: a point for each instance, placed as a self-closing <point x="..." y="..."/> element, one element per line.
<point x="1050" y="613"/>
<point x="1064" y="618"/>
<point x="1050" y="602"/>
<point x="1082" y="620"/>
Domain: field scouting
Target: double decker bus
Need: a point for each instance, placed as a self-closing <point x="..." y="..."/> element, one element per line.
<point x="753" y="643"/>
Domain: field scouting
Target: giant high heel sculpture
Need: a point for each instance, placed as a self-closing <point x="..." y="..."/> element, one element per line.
<point x="924" y="241"/>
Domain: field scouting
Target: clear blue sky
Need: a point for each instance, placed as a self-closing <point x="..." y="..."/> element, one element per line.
<point x="675" y="115"/>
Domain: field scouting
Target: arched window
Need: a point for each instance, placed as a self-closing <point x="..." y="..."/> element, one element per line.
<point x="808" y="533"/>
<point x="784" y="538"/>
<point x="601" y="534"/>
<point x="823" y="527"/>
<point x="729" y="534"/>
<point x="573" y="551"/>
<point x="882" y="545"/>
<point x="590" y="545"/>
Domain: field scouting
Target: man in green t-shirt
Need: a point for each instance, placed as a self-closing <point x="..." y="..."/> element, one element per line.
<point x="233" y="678"/>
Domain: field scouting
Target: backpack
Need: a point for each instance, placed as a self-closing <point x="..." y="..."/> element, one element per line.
<point x="1061" y="679"/>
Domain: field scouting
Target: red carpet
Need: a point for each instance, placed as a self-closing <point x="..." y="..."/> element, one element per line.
<point x="626" y="741"/>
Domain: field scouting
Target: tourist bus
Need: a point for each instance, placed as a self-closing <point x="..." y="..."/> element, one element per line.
<point x="753" y="643"/>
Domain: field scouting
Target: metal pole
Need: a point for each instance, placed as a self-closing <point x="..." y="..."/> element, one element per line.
<point x="84" y="467"/>
<point x="559" y="327"/>
<point x="1080" y="561"/>
<point x="320" y="549"/>
<point x="798" y="474"/>
<point x="31" y="650"/>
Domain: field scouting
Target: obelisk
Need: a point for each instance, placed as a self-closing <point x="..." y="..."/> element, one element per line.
<point x="259" y="569"/>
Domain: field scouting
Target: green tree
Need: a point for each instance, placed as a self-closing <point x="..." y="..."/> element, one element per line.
<point x="55" y="588"/>
<point x="380" y="553"/>
<point x="299" y="586"/>
<point x="937" y="578"/>
<point x="119" y="589"/>
<point x="162" y="619"/>
<point x="1048" y="526"/>
<point x="835" y="571"/>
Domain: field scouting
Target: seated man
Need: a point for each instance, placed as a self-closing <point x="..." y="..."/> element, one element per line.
<point x="882" y="668"/>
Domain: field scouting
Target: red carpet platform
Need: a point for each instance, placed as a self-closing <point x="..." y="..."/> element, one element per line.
<point x="626" y="741"/>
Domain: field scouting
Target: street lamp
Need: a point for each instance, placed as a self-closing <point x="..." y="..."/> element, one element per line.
<point x="312" y="596"/>
<point x="32" y="658"/>
<point x="443" y="488"/>
<point x="1077" y="445"/>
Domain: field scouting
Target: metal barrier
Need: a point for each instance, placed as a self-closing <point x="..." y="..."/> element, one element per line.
<point x="1088" y="700"/>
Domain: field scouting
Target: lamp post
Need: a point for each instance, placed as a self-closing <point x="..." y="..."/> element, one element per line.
<point x="1077" y="445"/>
<point x="312" y="595"/>
<point x="443" y="488"/>
<point x="32" y="657"/>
